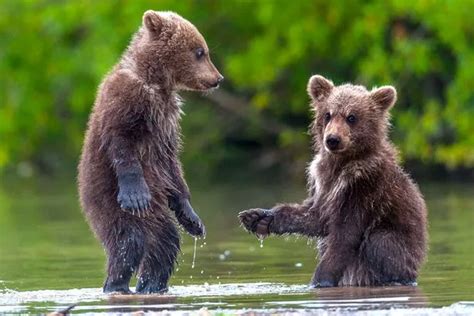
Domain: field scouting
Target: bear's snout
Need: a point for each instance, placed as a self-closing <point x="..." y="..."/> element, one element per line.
<point x="333" y="142"/>
<point x="218" y="81"/>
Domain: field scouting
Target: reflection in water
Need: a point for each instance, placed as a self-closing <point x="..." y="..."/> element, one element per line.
<point x="299" y="296"/>
<point x="279" y="298"/>
<point x="373" y="297"/>
<point x="188" y="291"/>
<point x="159" y="299"/>
<point x="143" y="303"/>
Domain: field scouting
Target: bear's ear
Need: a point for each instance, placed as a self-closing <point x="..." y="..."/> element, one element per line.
<point x="385" y="97"/>
<point x="319" y="88"/>
<point x="153" y="21"/>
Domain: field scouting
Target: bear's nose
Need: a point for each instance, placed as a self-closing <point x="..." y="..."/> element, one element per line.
<point x="218" y="81"/>
<point x="333" y="141"/>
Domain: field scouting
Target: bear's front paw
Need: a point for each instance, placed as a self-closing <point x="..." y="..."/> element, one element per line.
<point x="189" y="219"/>
<point x="257" y="221"/>
<point x="134" y="197"/>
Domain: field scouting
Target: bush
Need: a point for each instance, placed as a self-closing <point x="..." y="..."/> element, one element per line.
<point x="54" y="54"/>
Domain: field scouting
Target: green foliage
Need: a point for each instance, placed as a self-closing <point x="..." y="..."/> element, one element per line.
<point x="53" y="55"/>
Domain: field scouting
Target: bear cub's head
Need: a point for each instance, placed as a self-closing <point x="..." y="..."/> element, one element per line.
<point x="173" y="46"/>
<point x="349" y="120"/>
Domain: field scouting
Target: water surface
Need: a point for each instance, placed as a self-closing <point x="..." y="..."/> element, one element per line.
<point x="49" y="259"/>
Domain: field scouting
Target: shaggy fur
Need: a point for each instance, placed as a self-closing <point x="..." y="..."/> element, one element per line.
<point x="367" y="214"/>
<point x="129" y="174"/>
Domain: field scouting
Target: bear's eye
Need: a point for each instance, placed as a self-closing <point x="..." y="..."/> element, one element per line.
<point x="200" y="53"/>
<point x="351" y="119"/>
<point x="327" y="117"/>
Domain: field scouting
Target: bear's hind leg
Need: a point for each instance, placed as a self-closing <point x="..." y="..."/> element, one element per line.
<point x="158" y="262"/>
<point x="388" y="259"/>
<point x="124" y="249"/>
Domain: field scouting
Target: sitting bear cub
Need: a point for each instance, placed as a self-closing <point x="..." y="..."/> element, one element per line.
<point x="367" y="214"/>
<point x="131" y="183"/>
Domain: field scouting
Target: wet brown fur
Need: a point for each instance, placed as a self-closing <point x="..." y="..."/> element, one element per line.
<point x="367" y="214"/>
<point x="130" y="177"/>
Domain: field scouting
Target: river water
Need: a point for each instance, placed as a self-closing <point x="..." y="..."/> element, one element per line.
<point x="49" y="259"/>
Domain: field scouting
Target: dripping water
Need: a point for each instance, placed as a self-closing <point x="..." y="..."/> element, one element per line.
<point x="194" y="254"/>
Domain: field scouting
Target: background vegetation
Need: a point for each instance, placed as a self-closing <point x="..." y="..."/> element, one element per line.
<point x="53" y="55"/>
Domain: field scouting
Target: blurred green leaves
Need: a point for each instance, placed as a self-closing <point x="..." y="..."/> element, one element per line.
<point x="53" y="55"/>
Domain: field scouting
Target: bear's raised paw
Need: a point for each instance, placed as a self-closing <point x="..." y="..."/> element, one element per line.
<point x="257" y="221"/>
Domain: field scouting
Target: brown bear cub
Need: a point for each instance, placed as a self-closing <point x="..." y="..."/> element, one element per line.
<point x="130" y="176"/>
<point x="367" y="214"/>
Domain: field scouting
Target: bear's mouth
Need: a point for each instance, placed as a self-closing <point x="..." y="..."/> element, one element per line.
<point x="200" y="86"/>
<point x="206" y="85"/>
<point x="335" y="151"/>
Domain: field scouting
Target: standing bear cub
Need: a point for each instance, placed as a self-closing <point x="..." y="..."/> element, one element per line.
<point x="367" y="214"/>
<point x="130" y="176"/>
